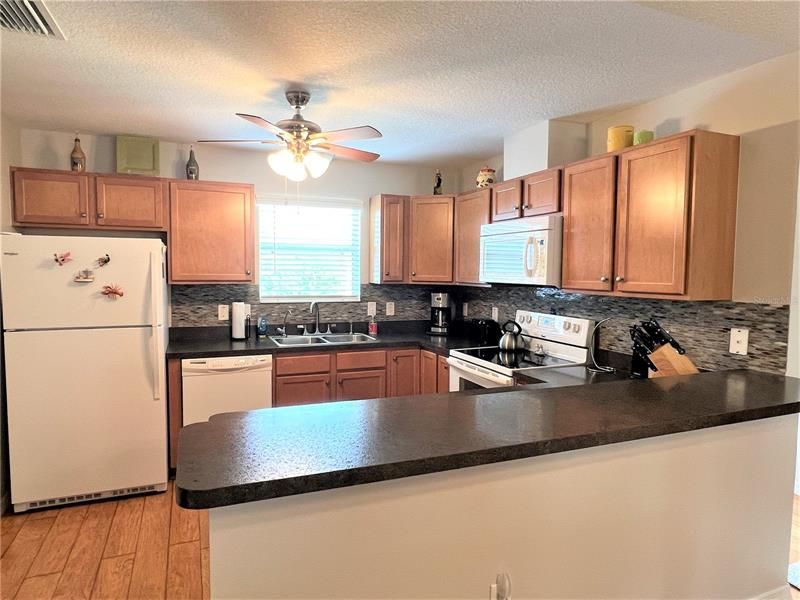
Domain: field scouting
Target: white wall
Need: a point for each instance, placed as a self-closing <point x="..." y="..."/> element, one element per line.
<point x="760" y="104"/>
<point x="526" y="150"/>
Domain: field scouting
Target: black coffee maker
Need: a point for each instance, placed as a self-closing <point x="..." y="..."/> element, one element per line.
<point x="441" y="313"/>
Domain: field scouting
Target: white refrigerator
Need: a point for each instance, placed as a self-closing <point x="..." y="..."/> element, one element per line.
<point x="85" y="371"/>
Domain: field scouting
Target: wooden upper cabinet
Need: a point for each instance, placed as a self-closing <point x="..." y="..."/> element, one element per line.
<point x="211" y="236"/>
<point x="136" y="202"/>
<point x="359" y="385"/>
<point x="50" y="198"/>
<point x="403" y="372"/>
<point x="471" y="211"/>
<point x="506" y="200"/>
<point x="541" y="193"/>
<point x="430" y="244"/>
<point x="588" y="242"/>
<point x="388" y="218"/>
<point x="653" y="218"/>
<point x="428" y="372"/>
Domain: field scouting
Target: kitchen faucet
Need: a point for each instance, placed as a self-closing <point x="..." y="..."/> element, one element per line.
<point x="282" y="330"/>
<point x="314" y="305"/>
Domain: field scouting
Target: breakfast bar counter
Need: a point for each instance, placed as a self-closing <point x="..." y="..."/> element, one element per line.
<point x="620" y="489"/>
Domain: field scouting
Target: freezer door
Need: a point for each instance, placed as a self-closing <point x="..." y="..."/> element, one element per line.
<point x="40" y="294"/>
<point x="86" y="411"/>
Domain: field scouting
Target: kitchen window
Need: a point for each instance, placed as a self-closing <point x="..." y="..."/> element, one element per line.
<point x="309" y="250"/>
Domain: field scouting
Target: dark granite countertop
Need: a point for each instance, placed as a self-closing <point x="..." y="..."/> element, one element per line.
<point x="269" y="453"/>
<point x="214" y="341"/>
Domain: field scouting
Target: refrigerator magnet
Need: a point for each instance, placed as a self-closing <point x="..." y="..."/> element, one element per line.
<point x="112" y="291"/>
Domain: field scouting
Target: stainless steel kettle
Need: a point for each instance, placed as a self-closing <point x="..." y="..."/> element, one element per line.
<point x="510" y="342"/>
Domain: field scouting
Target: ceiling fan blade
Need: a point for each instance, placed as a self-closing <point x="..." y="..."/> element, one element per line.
<point x="351" y="153"/>
<point x="365" y="132"/>
<point x="238" y="142"/>
<point x="271" y="127"/>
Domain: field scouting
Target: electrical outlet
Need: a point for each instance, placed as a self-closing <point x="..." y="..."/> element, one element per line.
<point x="223" y="312"/>
<point x="389" y="309"/>
<point x="495" y="313"/>
<point x="371" y="309"/>
<point x="465" y="309"/>
<point x="739" y="339"/>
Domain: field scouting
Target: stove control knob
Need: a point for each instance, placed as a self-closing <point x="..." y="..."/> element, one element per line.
<point x="576" y="328"/>
<point x="567" y="326"/>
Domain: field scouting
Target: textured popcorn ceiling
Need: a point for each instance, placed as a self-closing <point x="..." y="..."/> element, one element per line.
<point x="444" y="81"/>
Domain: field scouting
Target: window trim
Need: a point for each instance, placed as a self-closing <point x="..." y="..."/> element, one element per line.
<point x="294" y="200"/>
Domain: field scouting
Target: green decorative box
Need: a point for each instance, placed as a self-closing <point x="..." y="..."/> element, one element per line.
<point x="137" y="155"/>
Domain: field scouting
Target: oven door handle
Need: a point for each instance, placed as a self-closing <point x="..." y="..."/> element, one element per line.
<point x="480" y="372"/>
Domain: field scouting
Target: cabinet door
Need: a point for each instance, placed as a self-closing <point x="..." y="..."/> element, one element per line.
<point x="211" y="233"/>
<point x="358" y="385"/>
<point x="49" y="198"/>
<point x="403" y="372"/>
<point x="588" y="244"/>
<point x="393" y="218"/>
<point x="541" y="193"/>
<point x="471" y="211"/>
<point x="130" y="202"/>
<point x="302" y="389"/>
<point x="652" y="218"/>
<point x="506" y="200"/>
<point x="431" y="239"/>
<point x="427" y="372"/>
<point x="443" y="376"/>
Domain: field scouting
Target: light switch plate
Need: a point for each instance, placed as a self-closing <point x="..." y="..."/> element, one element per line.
<point x="371" y="309"/>
<point x="389" y="309"/>
<point x="739" y="339"/>
<point x="465" y="309"/>
<point x="223" y="312"/>
<point x="495" y="313"/>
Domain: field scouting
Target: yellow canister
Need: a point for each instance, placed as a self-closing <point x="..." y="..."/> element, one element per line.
<point x="619" y="137"/>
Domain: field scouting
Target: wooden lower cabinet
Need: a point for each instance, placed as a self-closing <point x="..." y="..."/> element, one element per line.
<point x="428" y="372"/>
<point x="291" y="390"/>
<point x="360" y="385"/>
<point x="443" y="375"/>
<point x="403" y="372"/>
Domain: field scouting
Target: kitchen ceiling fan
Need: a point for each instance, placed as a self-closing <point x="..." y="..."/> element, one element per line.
<point x="307" y="149"/>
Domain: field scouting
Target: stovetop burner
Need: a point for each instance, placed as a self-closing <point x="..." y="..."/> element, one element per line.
<point x="521" y="359"/>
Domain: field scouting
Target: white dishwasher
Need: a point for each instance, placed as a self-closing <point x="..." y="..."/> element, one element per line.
<point x="225" y="384"/>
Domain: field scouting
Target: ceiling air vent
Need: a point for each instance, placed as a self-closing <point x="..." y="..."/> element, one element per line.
<point x="29" y="16"/>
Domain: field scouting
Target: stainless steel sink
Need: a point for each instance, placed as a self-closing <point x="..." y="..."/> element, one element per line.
<point x="298" y="340"/>
<point x="348" y="338"/>
<point x="337" y="338"/>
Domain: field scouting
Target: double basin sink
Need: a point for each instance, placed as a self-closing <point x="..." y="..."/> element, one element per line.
<point x="332" y="338"/>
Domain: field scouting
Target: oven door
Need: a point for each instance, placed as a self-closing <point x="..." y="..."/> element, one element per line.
<point x="466" y="376"/>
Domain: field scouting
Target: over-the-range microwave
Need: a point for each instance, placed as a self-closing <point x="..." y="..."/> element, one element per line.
<point x="525" y="251"/>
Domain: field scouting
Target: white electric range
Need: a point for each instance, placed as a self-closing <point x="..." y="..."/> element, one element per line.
<point x="548" y="342"/>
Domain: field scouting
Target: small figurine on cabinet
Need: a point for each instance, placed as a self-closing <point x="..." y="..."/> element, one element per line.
<point x="485" y="177"/>
<point x="192" y="168"/>
<point x="78" y="157"/>
<point x="437" y="183"/>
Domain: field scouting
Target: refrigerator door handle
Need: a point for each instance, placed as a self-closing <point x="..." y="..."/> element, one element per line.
<point x="155" y="284"/>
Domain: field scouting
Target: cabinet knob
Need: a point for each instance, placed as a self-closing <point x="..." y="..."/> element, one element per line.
<point x="247" y="272"/>
<point x="604" y="278"/>
<point x="327" y="382"/>
<point x="516" y="208"/>
<point x="341" y="381"/>
<point x="386" y="274"/>
<point x="413" y="272"/>
<point x="619" y="278"/>
<point x="100" y="215"/>
<point x="394" y="358"/>
<point x="83" y="215"/>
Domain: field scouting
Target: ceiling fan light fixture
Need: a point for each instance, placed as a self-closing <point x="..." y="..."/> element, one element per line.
<point x="317" y="163"/>
<point x="296" y="171"/>
<point x="281" y="161"/>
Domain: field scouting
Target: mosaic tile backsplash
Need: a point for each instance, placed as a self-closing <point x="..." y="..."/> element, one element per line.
<point x="701" y="327"/>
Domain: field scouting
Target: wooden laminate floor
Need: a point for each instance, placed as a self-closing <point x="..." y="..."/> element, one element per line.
<point x="143" y="547"/>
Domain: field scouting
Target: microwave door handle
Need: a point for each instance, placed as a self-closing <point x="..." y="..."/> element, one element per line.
<point x="527" y="251"/>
